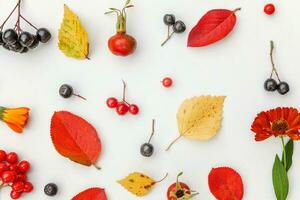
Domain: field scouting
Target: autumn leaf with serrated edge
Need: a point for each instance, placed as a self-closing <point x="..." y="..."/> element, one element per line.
<point x="138" y="183"/>
<point x="73" y="38"/>
<point x="199" y="118"/>
<point x="91" y="194"/>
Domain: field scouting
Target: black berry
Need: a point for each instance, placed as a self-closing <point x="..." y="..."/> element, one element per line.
<point x="270" y="85"/>
<point x="66" y="91"/>
<point x="1" y="41"/>
<point x="25" y="50"/>
<point x="147" y="149"/>
<point x="17" y="47"/>
<point x="179" y="27"/>
<point x="6" y="46"/>
<point x="169" y="19"/>
<point x="35" y="43"/>
<point x="10" y="36"/>
<point x="26" y="39"/>
<point x="50" y="189"/>
<point x="283" y="88"/>
<point x="43" y="35"/>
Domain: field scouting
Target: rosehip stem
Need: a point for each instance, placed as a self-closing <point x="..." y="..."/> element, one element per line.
<point x="274" y="70"/>
<point x="28" y="22"/>
<point x="162" y="178"/>
<point x="77" y="95"/>
<point x="152" y="133"/>
<point x="1" y="27"/>
<point x="168" y="38"/>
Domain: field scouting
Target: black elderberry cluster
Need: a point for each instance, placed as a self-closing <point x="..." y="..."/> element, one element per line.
<point x="22" y="42"/>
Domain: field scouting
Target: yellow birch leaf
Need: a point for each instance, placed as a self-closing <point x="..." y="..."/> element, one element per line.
<point x="138" y="184"/>
<point x="200" y="118"/>
<point x="73" y="39"/>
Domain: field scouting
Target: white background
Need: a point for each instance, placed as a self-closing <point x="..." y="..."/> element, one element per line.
<point x="235" y="67"/>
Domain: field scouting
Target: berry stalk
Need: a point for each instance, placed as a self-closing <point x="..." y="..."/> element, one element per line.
<point x="2" y="25"/>
<point x="274" y="70"/>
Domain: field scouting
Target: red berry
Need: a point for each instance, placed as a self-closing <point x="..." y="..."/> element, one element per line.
<point x="3" y="167"/>
<point x="269" y="9"/>
<point x="12" y="158"/>
<point x="2" y="155"/>
<point x="8" y="176"/>
<point x="24" y="166"/>
<point x="21" y="177"/>
<point x="122" y="108"/>
<point x="18" y="186"/>
<point x="13" y="167"/>
<point x="167" y="82"/>
<point x="112" y="102"/>
<point x="15" y="194"/>
<point x="133" y="109"/>
<point x="28" y="187"/>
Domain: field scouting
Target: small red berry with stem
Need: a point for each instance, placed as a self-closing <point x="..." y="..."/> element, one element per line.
<point x="133" y="109"/>
<point x="12" y="158"/>
<point x="28" y="187"/>
<point x="2" y="155"/>
<point x="167" y="82"/>
<point x="24" y="166"/>
<point x="112" y="102"/>
<point x="269" y="9"/>
<point x="15" y="194"/>
<point x="121" y="44"/>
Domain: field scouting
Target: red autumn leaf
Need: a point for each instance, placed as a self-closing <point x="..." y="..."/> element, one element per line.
<point x="225" y="184"/>
<point x="212" y="27"/>
<point x="75" y="138"/>
<point x="91" y="194"/>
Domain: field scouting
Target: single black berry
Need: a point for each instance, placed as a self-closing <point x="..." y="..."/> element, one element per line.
<point x="43" y="35"/>
<point x="169" y="19"/>
<point x="50" y="189"/>
<point x="179" y="27"/>
<point x="147" y="149"/>
<point x="10" y="36"/>
<point x="283" y="88"/>
<point x="35" y="43"/>
<point x="66" y="91"/>
<point x="1" y="41"/>
<point x="25" y="50"/>
<point x="270" y="85"/>
<point x="26" y="39"/>
<point x="17" y="47"/>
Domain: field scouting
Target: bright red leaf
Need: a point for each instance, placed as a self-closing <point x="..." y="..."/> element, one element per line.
<point x="75" y="138"/>
<point x="225" y="184"/>
<point x="212" y="27"/>
<point x="91" y="194"/>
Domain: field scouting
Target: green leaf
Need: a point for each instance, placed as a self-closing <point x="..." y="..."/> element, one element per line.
<point x="280" y="180"/>
<point x="289" y="149"/>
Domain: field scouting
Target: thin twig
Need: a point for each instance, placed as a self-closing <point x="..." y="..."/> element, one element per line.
<point x="124" y="91"/>
<point x="152" y="133"/>
<point x="1" y="27"/>
<point x="272" y="61"/>
<point x="168" y="38"/>
<point x="77" y="95"/>
<point x="28" y="22"/>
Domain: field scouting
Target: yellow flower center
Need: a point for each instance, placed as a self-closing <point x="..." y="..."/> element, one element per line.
<point x="280" y="125"/>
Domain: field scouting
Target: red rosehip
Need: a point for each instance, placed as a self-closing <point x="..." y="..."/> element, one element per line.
<point x="3" y="167"/>
<point x="269" y="9"/>
<point x="18" y="186"/>
<point x="122" y="108"/>
<point x="133" y="109"/>
<point x="167" y="82"/>
<point x="24" y="166"/>
<point x="2" y="155"/>
<point x="15" y="194"/>
<point x="112" y="102"/>
<point x="21" y="177"/>
<point x="28" y="187"/>
<point x="8" y="176"/>
<point x="12" y="158"/>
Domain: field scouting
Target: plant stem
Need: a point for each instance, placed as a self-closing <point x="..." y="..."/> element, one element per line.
<point x="162" y="178"/>
<point x="1" y="27"/>
<point x="77" y="95"/>
<point x="152" y="133"/>
<point x="124" y="91"/>
<point x="284" y="152"/>
<point x="97" y="167"/>
<point x="28" y="22"/>
<point x="19" y="14"/>
<point x="272" y="61"/>
<point x="168" y="38"/>
<point x="169" y="147"/>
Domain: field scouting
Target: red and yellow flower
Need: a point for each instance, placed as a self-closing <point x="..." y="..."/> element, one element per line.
<point x="277" y="122"/>
<point x="15" y="118"/>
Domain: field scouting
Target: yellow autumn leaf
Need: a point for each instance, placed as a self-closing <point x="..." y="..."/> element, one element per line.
<point x="200" y="118"/>
<point x="73" y="39"/>
<point x="138" y="184"/>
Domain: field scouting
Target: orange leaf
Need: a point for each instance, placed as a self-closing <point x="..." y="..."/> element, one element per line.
<point x="91" y="194"/>
<point x="75" y="138"/>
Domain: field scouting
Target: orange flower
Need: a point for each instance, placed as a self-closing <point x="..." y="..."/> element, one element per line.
<point x="15" y="118"/>
<point x="277" y="122"/>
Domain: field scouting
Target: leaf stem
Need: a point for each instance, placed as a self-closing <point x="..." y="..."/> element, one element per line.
<point x="237" y="9"/>
<point x="97" y="167"/>
<point x="169" y="147"/>
<point x="272" y="61"/>
<point x="152" y="133"/>
<point x="162" y="178"/>
<point x="284" y="152"/>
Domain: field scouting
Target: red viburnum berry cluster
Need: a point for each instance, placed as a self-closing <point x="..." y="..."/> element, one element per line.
<point x="13" y="174"/>
<point x="122" y="107"/>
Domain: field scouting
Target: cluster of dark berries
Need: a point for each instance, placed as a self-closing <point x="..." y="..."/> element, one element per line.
<point x="66" y="91"/>
<point x="50" y="189"/>
<point x="177" y="26"/>
<point x="13" y="174"/>
<point x="17" y="40"/>
<point x="271" y="84"/>
<point x="147" y="148"/>
<point x="122" y="107"/>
